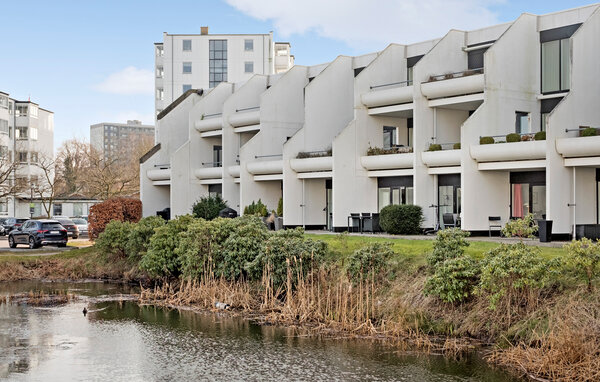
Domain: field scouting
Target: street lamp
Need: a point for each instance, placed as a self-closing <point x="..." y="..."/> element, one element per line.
<point x="31" y="206"/>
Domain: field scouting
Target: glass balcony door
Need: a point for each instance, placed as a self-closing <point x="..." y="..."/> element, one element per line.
<point x="527" y="198"/>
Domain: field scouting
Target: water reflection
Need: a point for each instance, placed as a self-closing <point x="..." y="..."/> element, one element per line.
<point x="124" y="341"/>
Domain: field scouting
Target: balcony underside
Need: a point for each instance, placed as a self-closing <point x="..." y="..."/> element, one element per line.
<point x="212" y="133"/>
<point x="531" y="165"/>
<point x="245" y="129"/>
<point x="464" y="102"/>
<point x="388" y="173"/>
<point x="316" y="175"/>
<point x="398" y="111"/>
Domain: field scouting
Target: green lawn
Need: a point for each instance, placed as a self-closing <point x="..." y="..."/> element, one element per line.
<point x="410" y="251"/>
<point x="6" y="256"/>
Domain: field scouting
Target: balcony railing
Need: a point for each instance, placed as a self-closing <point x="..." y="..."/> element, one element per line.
<point x="454" y="84"/>
<point x="586" y="145"/>
<point x="388" y="94"/>
<point x="449" y="76"/>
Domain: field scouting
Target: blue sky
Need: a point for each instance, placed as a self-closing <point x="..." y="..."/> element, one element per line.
<point x="63" y="53"/>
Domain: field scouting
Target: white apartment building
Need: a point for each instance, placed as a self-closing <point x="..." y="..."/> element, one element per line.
<point x="114" y="139"/>
<point x="26" y="138"/>
<point x="407" y="125"/>
<point x="202" y="61"/>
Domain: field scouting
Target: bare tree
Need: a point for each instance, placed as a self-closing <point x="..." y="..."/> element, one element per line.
<point x="72" y="160"/>
<point x="8" y="169"/>
<point x="45" y="186"/>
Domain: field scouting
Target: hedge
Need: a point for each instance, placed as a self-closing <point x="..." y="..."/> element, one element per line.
<point x="122" y="209"/>
<point x="403" y="219"/>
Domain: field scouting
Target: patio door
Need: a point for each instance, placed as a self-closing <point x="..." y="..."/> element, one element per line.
<point x="449" y="194"/>
<point x="528" y="194"/>
<point x="598" y="195"/>
<point x="394" y="190"/>
<point x="329" y="201"/>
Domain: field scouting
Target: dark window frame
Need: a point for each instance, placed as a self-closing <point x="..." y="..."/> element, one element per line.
<point x="532" y="178"/>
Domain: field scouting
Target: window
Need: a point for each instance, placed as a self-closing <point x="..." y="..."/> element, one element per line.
<point x="528" y="194"/>
<point x="217" y="62"/>
<point x="3" y="126"/>
<point x="214" y="190"/>
<point x="410" y="63"/>
<point x="22" y="156"/>
<point x="217" y="156"/>
<point x="390" y="136"/>
<point x="475" y="58"/>
<point x="33" y="157"/>
<point x="33" y="133"/>
<point x="21" y="132"/>
<point x="187" y="67"/>
<point x="160" y="72"/>
<point x="556" y="58"/>
<point x="249" y="67"/>
<point x="522" y="123"/>
<point x="3" y="206"/>
<point x="248" y="45"/>
<point x="160" y="94"/>
<point x="159" y="51"/>
<point x="21" y="110"/>
<point x="186" y="87"/>
<point x="4" y="101"/>
<point x="449" y="195"/>
<point x="409" y="128"/>
<point x="187" y="45"/>
<point x="547" y="105"/>
<point x="77" y="209"/>
<point x="57" y="209"/>
<point x="33" y="111"/>
<point x="394" y="190"/>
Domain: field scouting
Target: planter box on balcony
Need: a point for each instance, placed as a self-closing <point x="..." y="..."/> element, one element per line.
<point x="500" y="152"/>
<point x="441" y="158"/>
<point x="312" y="164"/>
<point x="245" y="118"/>
<point x="453" y="87"/>
<point x="209" y="124"/>
<point x="209" y="173"/>
<point x="265" y="167"/>
<point x="388" y="96"/>
<point x="578" y="147"/>
<point x="387" y="162"/>
<point x="159" y="174"/>
<point x="234" y="171"/>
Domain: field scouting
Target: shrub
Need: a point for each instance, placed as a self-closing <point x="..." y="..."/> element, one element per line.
<point x="122" y="209"/>
<point x="161" y="260"/>
<point x="242" y="246"/>
<point x="369" y="261"/>
<point x="403" y="219"/>
<point x="521" y="228"/>
<point x="435" y="147"/>
<point x="454" y="279"/>
<point x="589" y="132"/>
<point x="584" y="256"/>
<point x="286" y="247"/>
<point x="448" y="244"/>
<point x="208" y="207"/>
<point x="512" y="271"/>
<point x="486" y="140"/>
<point x="256" y="209"/>
<point x="113" y="240"/>
<point x="391" y="150"/>
<point x="280" y="207"/>
<point x="139" y="236"/>
<point x="513" y="137"/>
<point x="456" y="146"/>
<point x="540" y="136"/>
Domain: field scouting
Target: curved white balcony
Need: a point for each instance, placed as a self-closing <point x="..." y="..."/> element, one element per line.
<point x="453" y="87"/>
<point x="441" y="158"/>
<point x="265" y="167"/>
<point x="311" y="164"/>
<point x="209" y="172"/>
<point x="159" y="174"/>
<point x="234" y="171"/>
<point x="209" y="124"/>
<point x="387" y="162"/>
<point x="245" y="118"/>
<point x="578" y="147"/>
<point x="387" y="96"/>
<point x="500" y="152"/>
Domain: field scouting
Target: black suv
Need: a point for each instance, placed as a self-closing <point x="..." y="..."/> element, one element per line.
<point x="12" y="223"/>
<point x="38" y="232"/>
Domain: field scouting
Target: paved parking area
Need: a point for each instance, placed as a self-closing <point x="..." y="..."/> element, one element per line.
<point x="47" y="250"/>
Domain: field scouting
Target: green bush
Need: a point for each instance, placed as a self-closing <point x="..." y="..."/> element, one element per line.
<point x="242" y="246"/>
<point x="257" y="209"/>
<point x="512" y="271"/>
<point x="161" y="260"/>
<point x="208" y="207"/>
<point x="286" y="247"/>
<point x="584" y="256"/>
<point x="139" y="236"/>
<point x="113" y="240"/>
<point x="456" y="146"/>
<point x="435" y="147"/>
<point x="521" y="228"/>
<point x="486" y="140"/>
<point x="403" y="219"/>
<point x="540" y="136"/>
<point x="513" y="137"/>
<point x="369" y="261"/>
<point x="280" y="207"/>
<point x="448" y="244"/>
<point x="589" y="132"/>
<point x="454" y="279"/>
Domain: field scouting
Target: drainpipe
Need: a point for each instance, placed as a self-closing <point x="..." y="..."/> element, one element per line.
<point x="303" y="205"/>
<point x="574" y="202"/>
<point x="434" y="138"/>
<point x="436" y="202"/>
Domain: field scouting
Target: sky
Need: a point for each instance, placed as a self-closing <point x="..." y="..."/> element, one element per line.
<point x="93" y="61"/>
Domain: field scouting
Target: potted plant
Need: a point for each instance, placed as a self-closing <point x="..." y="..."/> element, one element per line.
<point x="279" y="215"/>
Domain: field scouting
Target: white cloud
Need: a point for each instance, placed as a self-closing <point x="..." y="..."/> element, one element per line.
<point x="361" y="23"/>
<point x="130" y="80"/>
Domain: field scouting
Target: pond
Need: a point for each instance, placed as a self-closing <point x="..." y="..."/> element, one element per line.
<point x="123" y="341"/>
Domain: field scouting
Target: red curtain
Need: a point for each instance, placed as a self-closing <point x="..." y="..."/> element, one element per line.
<point x="517" y="201"/>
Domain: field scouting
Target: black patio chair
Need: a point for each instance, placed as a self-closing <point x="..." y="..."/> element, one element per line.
<point x="449" y="220"/>
<point x="354" y="222"/>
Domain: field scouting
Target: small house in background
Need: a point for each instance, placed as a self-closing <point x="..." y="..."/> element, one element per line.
<point x="72" y="205"/>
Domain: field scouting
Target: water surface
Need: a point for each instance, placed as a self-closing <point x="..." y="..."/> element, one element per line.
<point x="122" y="341"/>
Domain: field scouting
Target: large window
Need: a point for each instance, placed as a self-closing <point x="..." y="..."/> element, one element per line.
<point x="217" y="156"/>
<point x="160" y="51"/>
<point x="187" y="67"/>
<point x="187" y="45"/>
<point x="528" y="194"/>
<point x="390" y="136"/>
<point x="249" y="67"/>
<point x="21" y="110"/>
<point x="217" y="62"/>
<point x="4" y="101"/>
<point x="394" y="190"/>
<point x="22" y="132"/>
<point x="556" y="58"/>
<point x="248" y="45"/>
<point x="215" y="189"/>
<point x="449" y="196"/>
<point x="410" y="63"/>
<point x="3" y="126"/>
<point x="22" y="156"/>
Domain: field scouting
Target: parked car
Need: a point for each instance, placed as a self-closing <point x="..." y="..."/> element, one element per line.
<point x="2" y="230"/>
<point x="12" y="223"/>
<point x="82" y="225"/>
<point x="70" y="226"/>
<point x="36" y="233"/>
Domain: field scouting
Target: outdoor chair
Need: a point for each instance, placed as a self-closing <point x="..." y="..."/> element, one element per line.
<point x="371" y="224"/>
<point x="494" y="222"/>
<point x="354" y="222"/>
<point x="449" y="220"/>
